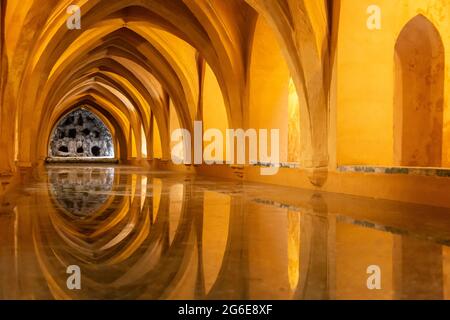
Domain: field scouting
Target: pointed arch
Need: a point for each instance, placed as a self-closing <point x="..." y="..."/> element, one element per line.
<point x="419" y="95"/>
<point x="81" y="134"/>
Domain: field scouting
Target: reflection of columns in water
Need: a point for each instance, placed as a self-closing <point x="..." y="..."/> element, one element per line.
<point x="137" y="263"/>
<point x="293" y="248"/>
<point x="232" y="280"/>
<point x="174" y="275"/>
<point x="197" y="205"/>
<point x="8" y="251"/>
<point x="203" y="245"/>
<point x="418" y="269"/>
<point x="314" y="252"/>
<point x="188" y="281"/>
<point x="215" y="230"/>
<point x="273" y="237"/>
<point x="23" y="277"/>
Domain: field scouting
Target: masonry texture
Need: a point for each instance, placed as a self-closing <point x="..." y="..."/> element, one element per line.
<point x="81" y="134"/>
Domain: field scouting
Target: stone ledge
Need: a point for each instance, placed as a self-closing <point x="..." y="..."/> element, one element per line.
<point x="290" y="165"/>
<point x="81" y="160"/>
<point x="429" y="172"/>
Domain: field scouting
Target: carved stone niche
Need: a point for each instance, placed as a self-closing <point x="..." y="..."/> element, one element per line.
<point x="81" y="134"/>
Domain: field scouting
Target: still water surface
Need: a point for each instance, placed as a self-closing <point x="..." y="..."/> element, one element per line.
<point x="139" y="234"/>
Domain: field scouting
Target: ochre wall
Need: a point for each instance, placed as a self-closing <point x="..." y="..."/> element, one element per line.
<point x="157" y="150"/>
<point x="174" y="125"/>
<point x="269" y="86"/>
<point x="214" y="111"/>
<point x="294" y="145"/>
<point x="365" y="78"/>
<point x="419" y="91"/>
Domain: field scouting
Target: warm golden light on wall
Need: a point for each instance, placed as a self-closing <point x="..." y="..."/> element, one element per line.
<point x="294" y="124"/>
<point x="143" y="143"/>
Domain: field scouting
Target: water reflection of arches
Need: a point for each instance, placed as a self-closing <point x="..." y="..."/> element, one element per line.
<point x="165" y="236"/>
<point x="83" y="192"/>
<point x="146" y="243"/>
<point x="162" y="237"/>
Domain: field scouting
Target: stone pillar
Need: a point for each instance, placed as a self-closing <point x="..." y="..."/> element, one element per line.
<point x="5" y="161"/>
<point x="150" y="138"/>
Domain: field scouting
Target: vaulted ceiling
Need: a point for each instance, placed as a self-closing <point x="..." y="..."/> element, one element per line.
<point x="130" y="58"/>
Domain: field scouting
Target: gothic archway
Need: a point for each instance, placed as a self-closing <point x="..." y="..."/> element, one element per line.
<point x="80" y="134"/>
<point x="419" y="95"/>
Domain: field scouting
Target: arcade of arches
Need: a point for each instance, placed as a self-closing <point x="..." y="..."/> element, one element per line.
<point x="364" y="120"/>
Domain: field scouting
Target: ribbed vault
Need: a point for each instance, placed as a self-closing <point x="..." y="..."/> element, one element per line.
<point x="134" y="59"/>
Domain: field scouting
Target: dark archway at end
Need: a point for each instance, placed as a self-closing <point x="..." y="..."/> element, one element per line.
<point x="80" y="134"/>
<point x="419" y="95"/>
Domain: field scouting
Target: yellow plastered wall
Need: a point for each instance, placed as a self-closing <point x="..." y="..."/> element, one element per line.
<point x="16" y="12"/>
<point x="143" y="143"/>
<point x="157" y="149"/>
<point x="214" y="111"/>
<point x="294" y="145"/>
<point x="174" y="125"/>
<point x="269" y="86"/>
<point x="134" y="147"/>
<point x="365" y="98"/>
<point x="184" y="55"/>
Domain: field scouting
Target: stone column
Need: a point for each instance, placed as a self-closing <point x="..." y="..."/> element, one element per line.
<point x="5" y="162"/>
